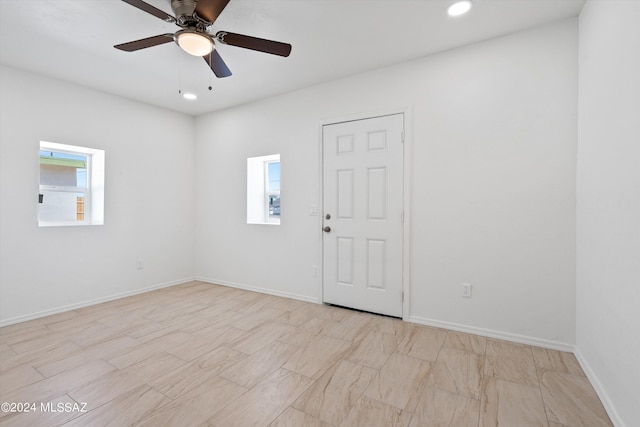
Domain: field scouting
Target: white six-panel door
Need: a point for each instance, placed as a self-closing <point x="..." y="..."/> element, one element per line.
<point x="363" y="214"/>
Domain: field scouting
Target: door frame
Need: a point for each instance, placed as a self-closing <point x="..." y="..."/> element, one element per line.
<point x="406" y="226"/>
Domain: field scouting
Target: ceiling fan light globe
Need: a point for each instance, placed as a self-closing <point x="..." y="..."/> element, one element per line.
<point x="195" y="44"/>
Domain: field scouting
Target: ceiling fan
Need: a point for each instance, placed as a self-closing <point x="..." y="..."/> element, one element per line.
<point x="195" y="17"/>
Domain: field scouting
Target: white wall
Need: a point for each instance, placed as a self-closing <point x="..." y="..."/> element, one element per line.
<point x="148" y="197"/>
<point x="608" y="209"/>
<point x="493" y="133"/>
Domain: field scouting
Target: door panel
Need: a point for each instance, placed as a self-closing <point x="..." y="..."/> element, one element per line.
<point x="345" y="194"/>
<point x="376" y="261"/>
<point x="363" y="196"/>
<point x="344" y="261"/>
<point x="377" y="186"/>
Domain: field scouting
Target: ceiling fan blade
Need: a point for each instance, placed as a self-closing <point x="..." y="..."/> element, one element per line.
<point x="151" y="9"/>
<point x="219" y="68"/>
<point x="144" y="43"/>
<point x="254" y="43"/>
<point x="210" y="9"/>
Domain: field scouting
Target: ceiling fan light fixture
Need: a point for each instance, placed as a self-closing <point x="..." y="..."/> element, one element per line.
<point x="194" y="43"/>
<point x="459" y="8"/>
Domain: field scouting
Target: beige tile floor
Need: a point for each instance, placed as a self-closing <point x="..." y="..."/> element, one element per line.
<point x="204" y="355"/>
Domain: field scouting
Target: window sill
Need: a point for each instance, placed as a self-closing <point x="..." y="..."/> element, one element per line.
<point x="68" y="224"/>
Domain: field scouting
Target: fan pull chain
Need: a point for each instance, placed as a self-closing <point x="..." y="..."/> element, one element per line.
<point x="209" y="71"/>
<point x="179" y="75"/>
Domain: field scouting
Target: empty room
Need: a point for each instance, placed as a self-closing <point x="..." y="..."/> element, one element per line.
<point x="320" y="213"/>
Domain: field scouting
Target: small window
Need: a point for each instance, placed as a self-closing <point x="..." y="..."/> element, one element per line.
<point x="71" y="185"/>
<point x="263" y="190"/>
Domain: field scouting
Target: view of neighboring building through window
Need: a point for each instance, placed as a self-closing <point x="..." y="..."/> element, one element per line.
<point x="63" y="185"/>
<point x="272" y="191"/>
<point x="66" y="185"/>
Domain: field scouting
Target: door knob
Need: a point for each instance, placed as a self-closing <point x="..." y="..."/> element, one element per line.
<point x="326" y="229"/>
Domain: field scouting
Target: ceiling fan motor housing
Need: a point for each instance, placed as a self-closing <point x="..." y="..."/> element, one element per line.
<point x="183" y="7"/>
<point x="186" y="17"/>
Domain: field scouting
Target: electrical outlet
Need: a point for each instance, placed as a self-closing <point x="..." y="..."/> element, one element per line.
<point x="466" y="290"/>
<point x="139" y="264"/>
<point x="314" y="270"/>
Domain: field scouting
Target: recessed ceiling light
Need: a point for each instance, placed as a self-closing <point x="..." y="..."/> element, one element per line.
<point x="189" y="96"/>
<point x="459" y="8"/>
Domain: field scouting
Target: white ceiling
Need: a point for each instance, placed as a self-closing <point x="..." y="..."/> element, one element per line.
<point x="73" y="40"/>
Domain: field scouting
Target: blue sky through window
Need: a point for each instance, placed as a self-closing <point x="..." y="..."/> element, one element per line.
<point x="274" y="176"/>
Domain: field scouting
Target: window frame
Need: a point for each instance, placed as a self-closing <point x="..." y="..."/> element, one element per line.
<point x="258" y="190"/>
<point x="93" y="193"/>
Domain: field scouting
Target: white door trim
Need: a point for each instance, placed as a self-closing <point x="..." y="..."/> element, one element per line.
<point x="406" y="235"/>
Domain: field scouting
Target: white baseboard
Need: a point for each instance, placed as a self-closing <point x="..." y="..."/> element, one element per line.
<point x="44" y="313"/>
<point x="597" y="386"/>
<point x="259" y="289"/>
<point x="522" y="339"/>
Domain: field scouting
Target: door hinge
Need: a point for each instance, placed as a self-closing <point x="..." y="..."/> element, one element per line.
<point x="402" y="217"/>
<point x="402" y="137"/>
<point x="402" y="296"/>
